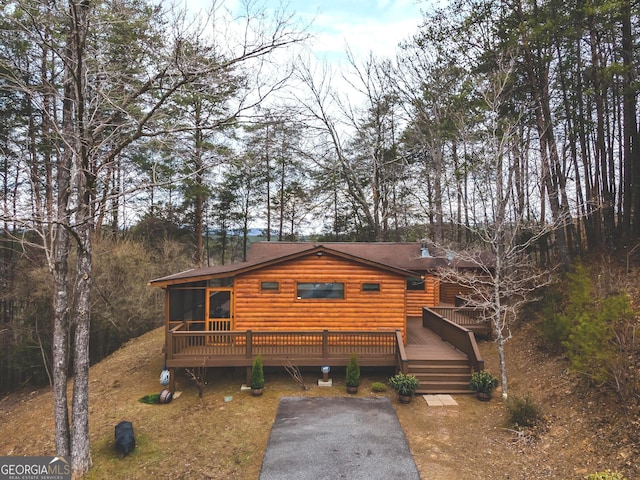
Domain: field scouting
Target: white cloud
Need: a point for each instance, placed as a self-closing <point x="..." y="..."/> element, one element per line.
<point x="379" y="29"/>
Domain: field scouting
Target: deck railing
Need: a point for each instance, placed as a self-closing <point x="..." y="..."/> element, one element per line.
<point x="238" y="348"/>
<point x="461" y="315"/>
<point x="457" y="335"/>
<point x="468" y="317"/>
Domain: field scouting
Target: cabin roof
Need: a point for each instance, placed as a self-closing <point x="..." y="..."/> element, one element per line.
<point x="402" y="258"/>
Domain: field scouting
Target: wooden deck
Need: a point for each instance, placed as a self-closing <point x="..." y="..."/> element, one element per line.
<point x="197" y="348"/>
<point x="439" y="352"/>
<point x="425" y="344"/>
<point x="186" y="348"/>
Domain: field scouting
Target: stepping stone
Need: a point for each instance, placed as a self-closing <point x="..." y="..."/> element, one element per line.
<point x="439" y="400"/>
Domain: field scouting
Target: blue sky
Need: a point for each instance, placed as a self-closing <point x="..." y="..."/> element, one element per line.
<point x="365" y="25"/>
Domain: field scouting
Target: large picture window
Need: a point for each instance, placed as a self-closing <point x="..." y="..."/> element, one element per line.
<point x="320" y="290"/>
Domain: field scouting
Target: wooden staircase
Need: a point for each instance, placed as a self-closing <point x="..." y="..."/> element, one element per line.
<point x="441" y="376"/>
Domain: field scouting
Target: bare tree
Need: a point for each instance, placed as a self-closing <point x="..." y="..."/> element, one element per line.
<point x="500" y="273"/>
<point x="103" y="114"/>
<point x="360" y="142"/>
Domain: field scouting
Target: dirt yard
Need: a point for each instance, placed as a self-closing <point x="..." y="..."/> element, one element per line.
<point x="224" y="434"/>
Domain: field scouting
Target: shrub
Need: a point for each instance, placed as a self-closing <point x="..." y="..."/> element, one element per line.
<point x="523" y="412"/>
<point x="607" y="475"/>
<point x="404" y="384"/>
<point x="554" y="327"/>
<point x="257" y="374"/>
<point x="590" y="346"/>
<point x="483" y="381"/>
<point x="378" y="387"/>
<point x="588" y="328"/>
<point x="353" y="372"/>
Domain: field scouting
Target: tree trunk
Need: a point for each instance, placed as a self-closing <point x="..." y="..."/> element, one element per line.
<point x="631" y="148"/>
<point x="60" y="249"/>
<point x="61" y="329"/>
<point x="80" y="453"/>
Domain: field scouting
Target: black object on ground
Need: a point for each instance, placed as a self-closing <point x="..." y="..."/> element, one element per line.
<point x="125" y="439"/>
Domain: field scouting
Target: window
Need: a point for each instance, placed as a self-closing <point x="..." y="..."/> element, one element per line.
<point x="220" y="282"/>
<point x="186" y="304"/>
<point x="370" y="287"/>
<point x="320" y="290"/>
<point x="269" y="286"/>
<point x="416" y="284"/>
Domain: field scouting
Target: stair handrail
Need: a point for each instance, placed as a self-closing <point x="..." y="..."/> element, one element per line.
<point x="460" y="337"/>
<point x="403" y="361"/>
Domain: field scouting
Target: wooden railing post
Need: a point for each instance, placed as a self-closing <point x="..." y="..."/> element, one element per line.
<point x="170" y="347"/>
<point x="325" y="343"/>
<point x="249" y="344"/>
<point x="403" y="361"/>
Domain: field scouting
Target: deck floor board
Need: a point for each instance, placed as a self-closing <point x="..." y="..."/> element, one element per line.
<point x="424" y="344"/>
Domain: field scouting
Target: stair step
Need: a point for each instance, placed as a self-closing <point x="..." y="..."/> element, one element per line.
<point x="433" y="391"/>
<point x="446" y="369"/>
<point x="458" y="362"/>
<point x="440" y="377"/>
<point x="444" y="387"/>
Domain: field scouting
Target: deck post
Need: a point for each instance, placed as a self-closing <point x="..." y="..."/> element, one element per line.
<point x="249" y="345"/>
<point x="172" y="380"/>
<point x="325" y="343"/>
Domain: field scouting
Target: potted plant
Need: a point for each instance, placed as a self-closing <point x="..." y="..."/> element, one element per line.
<point x="483" y="383"/>
<point x="405" y="385"/>
<point x="353" y="374"/>
<point x="257" y="377"/>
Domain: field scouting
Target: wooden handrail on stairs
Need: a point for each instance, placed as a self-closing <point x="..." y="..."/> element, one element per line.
<point x="460" y="337"/>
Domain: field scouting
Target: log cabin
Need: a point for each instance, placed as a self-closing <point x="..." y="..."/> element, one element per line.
<point x="314" y="304"/>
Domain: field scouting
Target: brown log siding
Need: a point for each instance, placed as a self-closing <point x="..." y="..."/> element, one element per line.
<point x="430" y="297"/>
<point x="282" y="311"/>
<point x="448" y="292"/>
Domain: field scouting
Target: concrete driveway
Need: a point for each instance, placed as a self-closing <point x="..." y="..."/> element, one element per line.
<point x="337" y="438"/>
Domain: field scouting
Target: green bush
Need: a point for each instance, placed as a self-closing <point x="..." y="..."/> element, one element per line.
<point x="483" y="381"/>
<point x="404" y="384"/>
<point x="607" y="475"/>
<point x="353" y="372"/>
<point x="257" y="374"/>
<point x="584" y="326"/>
<point x="523" y="412"/>
<point x="378" y="387"/>
<point x="554" y="328"/>
<point x="590" y="346"/>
